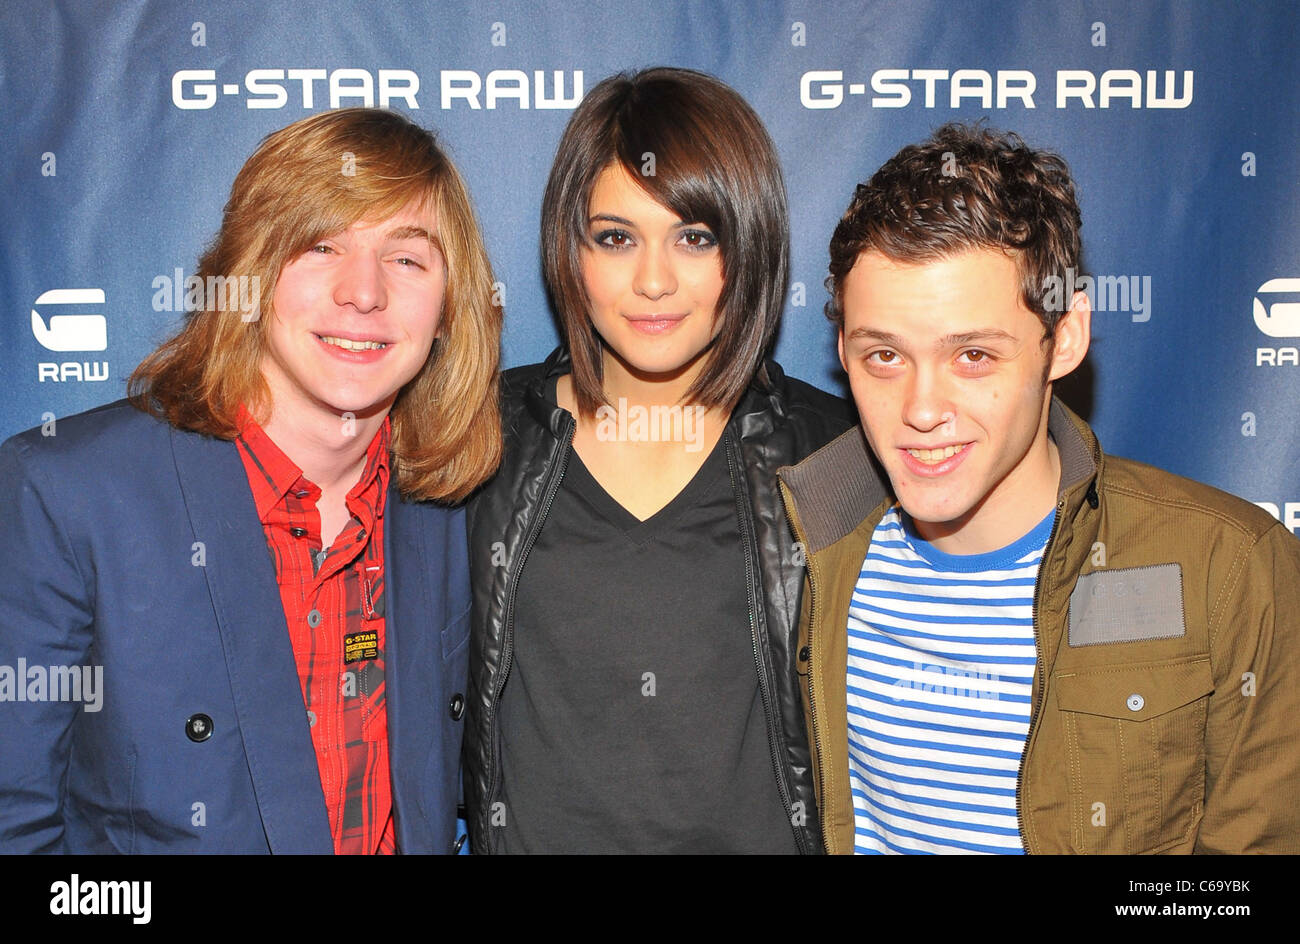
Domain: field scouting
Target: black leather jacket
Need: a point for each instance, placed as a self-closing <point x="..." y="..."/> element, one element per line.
<point x="778" y="422"/>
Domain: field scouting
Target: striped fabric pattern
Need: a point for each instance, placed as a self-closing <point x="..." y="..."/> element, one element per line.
<point x="940" y="668"/>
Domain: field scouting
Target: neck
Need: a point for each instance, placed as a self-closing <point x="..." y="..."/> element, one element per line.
<point x="625" y="387"/>
<point x="330" y="448"/>
<point x="620" y="379"/>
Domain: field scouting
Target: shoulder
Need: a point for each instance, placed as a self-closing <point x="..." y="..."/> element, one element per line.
<point x="805" y="398"/>
<point x="523" y="405"/>
<point x="102" y="472"/>
<point x="517" y="380"/>
<point x="823" y="414"/>
<point x="1155" y="492"/>
<point x="99" y="437"/>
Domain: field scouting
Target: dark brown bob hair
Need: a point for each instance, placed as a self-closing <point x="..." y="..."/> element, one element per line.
<point x="967" y="187"/>
<point x="713" y="164"/>
<point x="307" y="181"/>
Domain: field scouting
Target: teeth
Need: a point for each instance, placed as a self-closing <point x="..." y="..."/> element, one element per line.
<point x="348" y="345"/>
<point x="936" y="455"/>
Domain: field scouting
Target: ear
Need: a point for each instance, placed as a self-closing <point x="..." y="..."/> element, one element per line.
<point x="1072" y="337"/>
<point x="840" y="345"/>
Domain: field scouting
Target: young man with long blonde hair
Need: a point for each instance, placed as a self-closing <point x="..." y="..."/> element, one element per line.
<point x="302" y="700"/>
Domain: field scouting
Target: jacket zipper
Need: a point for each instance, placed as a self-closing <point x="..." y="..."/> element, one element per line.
<point x="773" y="731"/>
<point x="563" y="445"/>
<point x="1038" y="674"/>
<point x="812" y="702"/>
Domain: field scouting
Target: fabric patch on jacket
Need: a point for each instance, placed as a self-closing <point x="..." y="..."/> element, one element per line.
<point x="1127" y="605"/>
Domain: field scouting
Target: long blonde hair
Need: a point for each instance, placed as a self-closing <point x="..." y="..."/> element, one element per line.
<point x="309" y="180"/>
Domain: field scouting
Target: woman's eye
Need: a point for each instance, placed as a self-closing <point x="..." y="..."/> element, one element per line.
<point x="699" y="239"/>
<point x="616" y="238"/>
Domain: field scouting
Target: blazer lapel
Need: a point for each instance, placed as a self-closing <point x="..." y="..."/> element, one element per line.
<point x="420" y="542"/>
<point x="408" y="621"/>
<point x="255" y="639"/>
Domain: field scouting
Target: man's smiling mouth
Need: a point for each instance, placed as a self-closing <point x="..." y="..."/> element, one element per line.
<point x="349" y="345"/>
<point x="936" y="455"/>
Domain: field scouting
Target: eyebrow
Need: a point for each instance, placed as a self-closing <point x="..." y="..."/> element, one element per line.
<point x="948" y="340"/>
<point x="611" y="218"/>
<point x="973" y="337"/>
<point x="410" y="232"/>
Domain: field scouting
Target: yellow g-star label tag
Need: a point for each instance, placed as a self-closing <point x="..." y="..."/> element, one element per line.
<point x="358" y="646"/>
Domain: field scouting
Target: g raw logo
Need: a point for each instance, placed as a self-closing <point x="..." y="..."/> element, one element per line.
<point x="1278" y="319"/>
<point x="71" y="332"/>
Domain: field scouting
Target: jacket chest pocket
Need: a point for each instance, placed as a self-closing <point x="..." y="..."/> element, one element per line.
<point x="1135" y="753"/>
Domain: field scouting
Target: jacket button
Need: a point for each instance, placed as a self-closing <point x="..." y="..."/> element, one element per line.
<point x="198" y="728"/>
<point x="1135" y="702"/>
<point x="314" y="618"/>
<point x="1093" y="499"/>
<point x="457" y="706"/>
<point x="298" y="532"/>
<point x="805" y="653"/>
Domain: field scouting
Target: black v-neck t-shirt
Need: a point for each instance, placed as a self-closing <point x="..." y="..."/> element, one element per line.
<point x="631" y="720"/>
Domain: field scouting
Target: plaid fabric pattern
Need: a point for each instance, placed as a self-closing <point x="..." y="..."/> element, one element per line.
<point x="334" y="606"/>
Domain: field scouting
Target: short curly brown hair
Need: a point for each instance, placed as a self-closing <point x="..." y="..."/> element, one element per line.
<point x="967" y="187"/>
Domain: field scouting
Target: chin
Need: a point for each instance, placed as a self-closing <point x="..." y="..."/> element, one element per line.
<point x="665" y="362"/>
<point x="357" y="405"/>
<point x="930" y="512"/>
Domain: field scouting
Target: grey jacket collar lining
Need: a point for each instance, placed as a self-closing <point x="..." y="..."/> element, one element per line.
<point x="838" y="486"/>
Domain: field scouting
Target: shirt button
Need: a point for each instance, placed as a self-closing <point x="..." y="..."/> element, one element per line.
<point x="301" y="493"/>
<point x="1135" y="702"/>
<point x="298" y="532"/>
<point x="311" y="718"/>
<point x="198" y="728"/>
<point x="314" y="618"/>
<point x="457" y="706"/>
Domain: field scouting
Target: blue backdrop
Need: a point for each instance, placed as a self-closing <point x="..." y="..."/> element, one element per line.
<point x="125" y="123"/>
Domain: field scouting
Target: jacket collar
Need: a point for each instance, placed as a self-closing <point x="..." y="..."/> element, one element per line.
<point x="839" y="486"/>
<point x="541" y="405"/>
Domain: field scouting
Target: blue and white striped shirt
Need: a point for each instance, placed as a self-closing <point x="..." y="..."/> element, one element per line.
<point x="940" y="668"/>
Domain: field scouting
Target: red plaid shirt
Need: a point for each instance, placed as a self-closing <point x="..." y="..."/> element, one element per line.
<point x="334" y="606"/>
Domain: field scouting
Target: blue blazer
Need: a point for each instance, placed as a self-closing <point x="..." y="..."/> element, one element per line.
<point x="133" y="546"/>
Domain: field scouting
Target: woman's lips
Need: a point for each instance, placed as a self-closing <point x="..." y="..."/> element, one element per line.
<point x="654" y="324"/>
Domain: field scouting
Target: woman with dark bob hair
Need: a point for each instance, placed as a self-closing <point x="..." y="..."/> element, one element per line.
<point x="633" y="676"/>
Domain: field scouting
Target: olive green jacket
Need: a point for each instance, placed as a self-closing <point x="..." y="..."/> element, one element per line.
<point x="1166" y="701"/>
